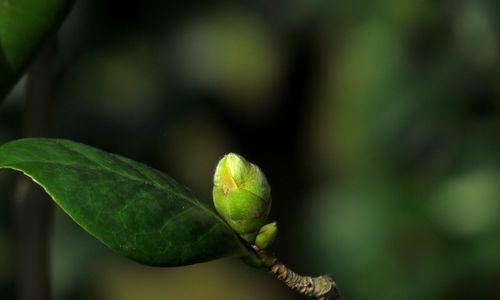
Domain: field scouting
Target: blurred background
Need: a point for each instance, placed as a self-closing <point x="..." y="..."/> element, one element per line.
<point x="376" y="122"/>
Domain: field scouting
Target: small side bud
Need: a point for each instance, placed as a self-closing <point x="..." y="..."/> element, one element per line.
<point x="267" y="235"/>
<point x="241" y="195"/>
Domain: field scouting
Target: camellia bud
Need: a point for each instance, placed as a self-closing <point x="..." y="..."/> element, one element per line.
<point x="241" y="195"/>
<point x="267" y="235"/>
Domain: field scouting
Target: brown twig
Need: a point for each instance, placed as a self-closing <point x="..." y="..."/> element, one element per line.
<point x="320" y="287"/>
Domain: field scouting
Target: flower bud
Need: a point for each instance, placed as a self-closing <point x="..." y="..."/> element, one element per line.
<point x="267" y="235"/>
<point x="241" y="195"/>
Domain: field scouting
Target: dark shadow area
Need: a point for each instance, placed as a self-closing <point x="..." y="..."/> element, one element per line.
<point x="6" y="75"/>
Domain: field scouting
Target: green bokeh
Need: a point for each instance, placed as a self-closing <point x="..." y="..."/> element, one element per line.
<point x="377" y="124"/>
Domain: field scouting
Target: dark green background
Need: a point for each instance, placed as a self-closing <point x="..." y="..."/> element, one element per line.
<point x="376" y="122"/>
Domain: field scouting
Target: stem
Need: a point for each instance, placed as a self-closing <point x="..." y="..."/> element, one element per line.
<point x="32" y="208"/>
<point x="320" y="287"/>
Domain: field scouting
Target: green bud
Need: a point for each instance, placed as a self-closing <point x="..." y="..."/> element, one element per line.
<point x="267" y="235"/>
<point x="241" y="195"/>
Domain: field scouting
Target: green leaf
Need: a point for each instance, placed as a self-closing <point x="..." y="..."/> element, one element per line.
<point x="135" y="210"/>
<point x="24" y="26"/>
